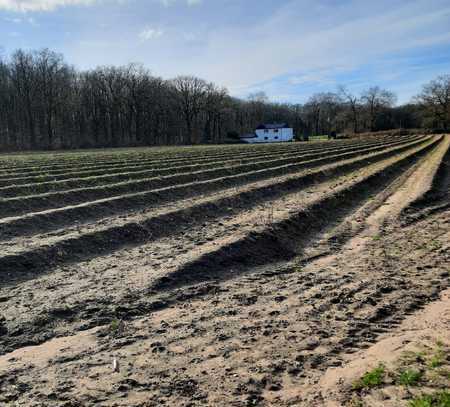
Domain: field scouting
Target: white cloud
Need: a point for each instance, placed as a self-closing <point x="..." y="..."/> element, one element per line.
<point x="39" y="5"/>
<point x="318" y="76"/>
<point x="190" y="3"/>
<point x="244" y="57"/>
<point x="150" y="34"/>
<point x="298" y="46"/>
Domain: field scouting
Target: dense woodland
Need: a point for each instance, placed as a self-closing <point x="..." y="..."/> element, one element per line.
<point x="45" y="103"/>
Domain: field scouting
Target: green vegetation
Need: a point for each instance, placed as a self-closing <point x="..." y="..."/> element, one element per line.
<point x="318" y="138"/>
<point x="409" y="377"/>
<point x="438" y="357"/>
<point x="115" y="325"/>
<point x="438" y="399"/>
<point x="423" y="373"/>
<point x="370" y="379"/>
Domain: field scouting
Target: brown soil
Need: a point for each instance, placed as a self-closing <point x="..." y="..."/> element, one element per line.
<point x="419" y="331"/>
<point x="281" y="303"/>
<point x="142" y="168"/>
<point x="151" y="188"/>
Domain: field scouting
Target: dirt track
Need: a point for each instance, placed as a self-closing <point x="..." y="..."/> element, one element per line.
<point x="243" y="295"/>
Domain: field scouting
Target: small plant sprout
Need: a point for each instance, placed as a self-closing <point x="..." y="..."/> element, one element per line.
<point x="370" y="379"/>
<point x="438" y="357"/>
<point x="115" y="325"/>
<point x="409" y="377"/>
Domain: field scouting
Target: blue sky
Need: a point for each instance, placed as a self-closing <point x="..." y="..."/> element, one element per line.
<point x="288" y="48"/>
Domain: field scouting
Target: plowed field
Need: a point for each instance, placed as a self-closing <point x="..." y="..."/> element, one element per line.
<point x="219" y="275"/>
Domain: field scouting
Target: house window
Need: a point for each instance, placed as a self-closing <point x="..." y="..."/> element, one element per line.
<point x="276" y="130"/>
<point x="276" y="137"/>
<point x="266" y="138"/>
<point x="266" y="130"/>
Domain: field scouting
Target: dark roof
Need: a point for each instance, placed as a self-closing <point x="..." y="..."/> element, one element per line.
<point x="272" y="126"/>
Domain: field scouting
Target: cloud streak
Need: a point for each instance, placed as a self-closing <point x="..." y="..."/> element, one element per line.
<point x="148" y="34"/>
<point x="40" y="5"/>
<point x="264" y="52"/>
<point x="190" y="3"/>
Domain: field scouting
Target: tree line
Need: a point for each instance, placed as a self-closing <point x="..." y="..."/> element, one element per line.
<point x="45" y="103"/>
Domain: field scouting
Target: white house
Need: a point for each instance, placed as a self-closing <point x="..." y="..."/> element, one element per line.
<point x="270" y="133"/>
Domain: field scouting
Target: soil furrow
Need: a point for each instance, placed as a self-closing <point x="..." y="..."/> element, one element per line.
<point x="246" y="289"/>
<point x="436" y="198"/>
<point x="27" y="264"/>
<point x="43" y="186"/>
<point x="238" y="198"/>
<point x="287" y="238"/>
<point x="158" y="157"/>
<point x="301" y="324"/>
<point x="100" y="315"/>
<point x="136" y="165"/>
<point x="17" y="206"/>
<point x="46" y="161"/>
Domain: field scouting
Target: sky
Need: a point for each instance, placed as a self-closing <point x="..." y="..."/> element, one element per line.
<point x="290" y="49"/>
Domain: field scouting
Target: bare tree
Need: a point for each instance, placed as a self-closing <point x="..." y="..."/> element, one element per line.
<point x="24" y="79"/>
<point x="51" y="80"/>
<point x="258" y="97"/>
<point x="352" y="103"/>
<point x="435" y="98"/>
<point x="375" y="100"/>
<point x="191" y="93"/>
<point x="215" y="105"/>
<point x="321" y="112"/>
<point x="5" y="105"/>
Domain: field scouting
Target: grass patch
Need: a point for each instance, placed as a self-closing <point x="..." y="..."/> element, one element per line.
<point x="440" y="399"/>
<point x="438" y="358"/>
<point x="409" y="377"/>
<point x="320" y="137"/>
<point x="370" y="379"/>
<point x="423" y="374"/>
<point x="435" y="361"/>
<point x="114" y="326"/>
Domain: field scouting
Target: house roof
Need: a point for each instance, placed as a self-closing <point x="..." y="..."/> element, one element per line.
<point x="271" y="126"/>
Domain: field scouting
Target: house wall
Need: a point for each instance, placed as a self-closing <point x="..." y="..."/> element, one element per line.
<point x="271" y="136"/>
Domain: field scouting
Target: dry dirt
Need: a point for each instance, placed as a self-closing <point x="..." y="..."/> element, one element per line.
<point x="419" y="332"/>
<point x="146" y="325"/>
